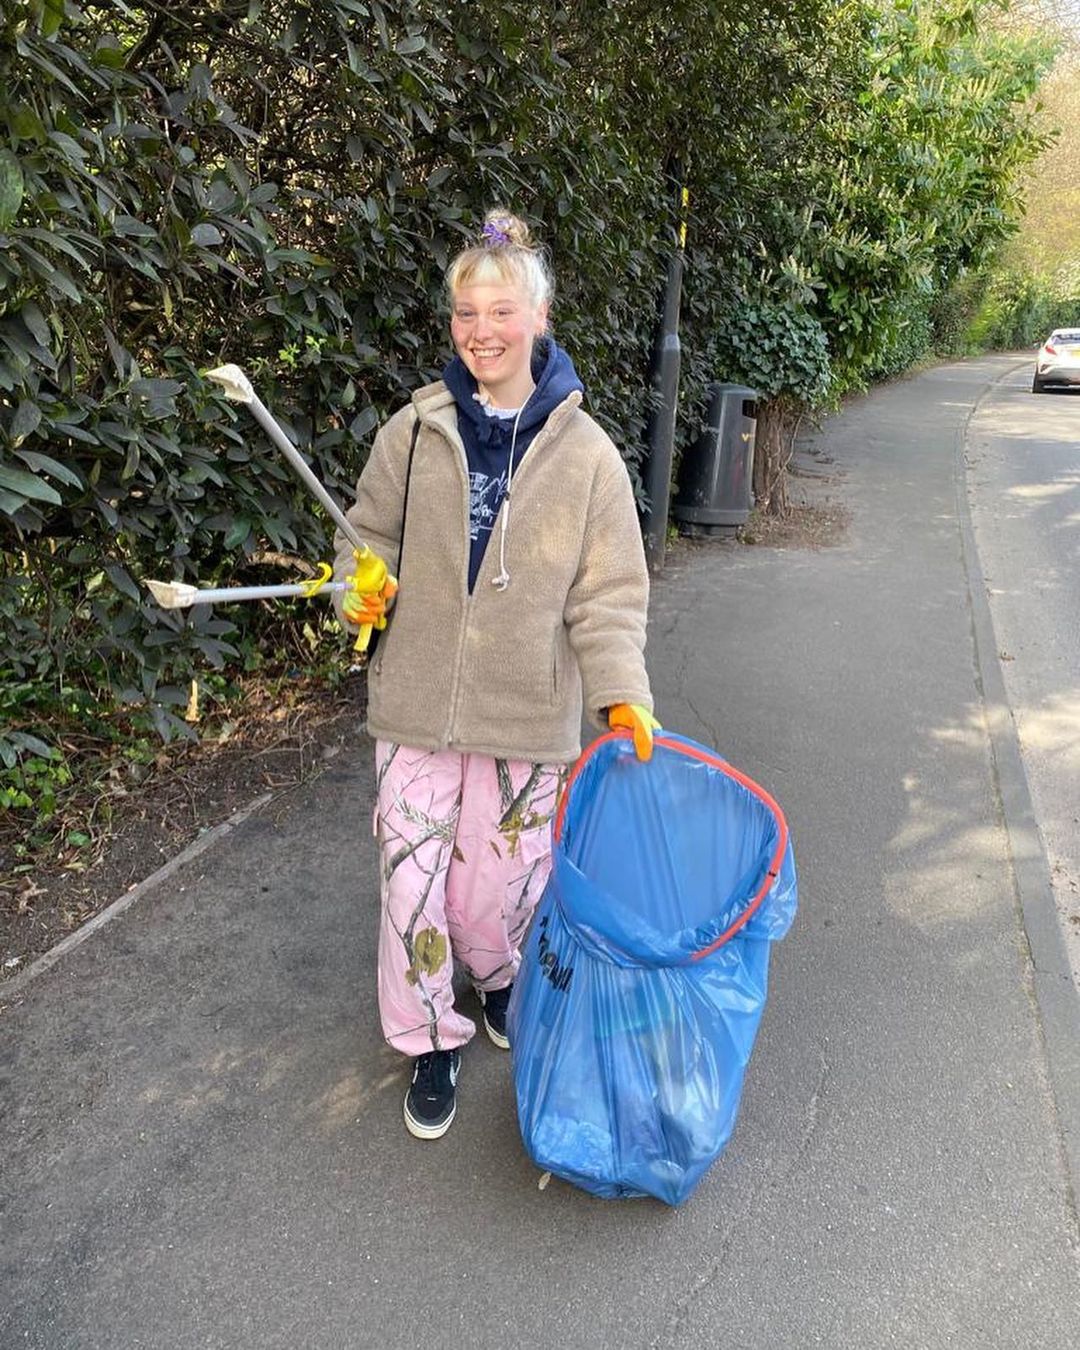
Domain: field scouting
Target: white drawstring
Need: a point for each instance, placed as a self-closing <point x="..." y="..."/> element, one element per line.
<point x="501" y="581"/>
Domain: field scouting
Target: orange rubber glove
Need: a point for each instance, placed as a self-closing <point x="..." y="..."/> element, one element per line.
<point x="371" y="609"/>
<point x="371" y="591"/>
<point x="640" y="721"/>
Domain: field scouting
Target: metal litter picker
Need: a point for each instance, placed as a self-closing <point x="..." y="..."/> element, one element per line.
<point x="371" y="576"/>
<point x="179" y="595"/>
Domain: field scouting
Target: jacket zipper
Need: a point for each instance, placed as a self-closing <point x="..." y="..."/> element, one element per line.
<point x="457" y="670"/>
<point x="459" y="661"/>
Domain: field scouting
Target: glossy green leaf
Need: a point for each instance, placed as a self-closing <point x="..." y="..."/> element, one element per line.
<point x="237" y="533"/>
<point x="363" y="423"/>
<point x="26" y="420"/>
<point x="46" y="464"/>
<point x="20" y="482"/>
<point x="121" y="579"/>
<point x="206" y="235"/>
<point x="11" y="188"/>
<point x="52" y="17"/>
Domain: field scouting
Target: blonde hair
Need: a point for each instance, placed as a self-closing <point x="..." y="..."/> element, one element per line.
<point x="505" y="253"/>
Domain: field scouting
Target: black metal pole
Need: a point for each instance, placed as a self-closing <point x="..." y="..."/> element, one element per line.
<point x="660" y="428"/>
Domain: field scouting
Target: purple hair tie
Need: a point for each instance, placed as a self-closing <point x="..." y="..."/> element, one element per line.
<point x="494" y="234"/>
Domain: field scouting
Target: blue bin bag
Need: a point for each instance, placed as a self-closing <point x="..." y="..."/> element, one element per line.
<point x="644" y="973"/>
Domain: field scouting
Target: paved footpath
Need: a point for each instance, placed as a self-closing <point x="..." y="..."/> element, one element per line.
<point x="200" y="1130"/>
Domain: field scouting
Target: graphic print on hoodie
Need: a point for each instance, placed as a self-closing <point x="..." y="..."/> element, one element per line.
<point x="486" y="491"/>
<point x="488" y="437"/>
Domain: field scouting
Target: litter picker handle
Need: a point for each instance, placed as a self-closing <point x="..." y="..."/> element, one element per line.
<point x="179" y="595"/>
<point x="237" y="387"/>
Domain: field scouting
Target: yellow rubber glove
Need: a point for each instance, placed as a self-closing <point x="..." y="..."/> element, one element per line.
<point x="370" y="592"/>
<point x="640" y="721"/>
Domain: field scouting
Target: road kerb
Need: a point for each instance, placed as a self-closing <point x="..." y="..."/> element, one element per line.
<point x="1056" y="997"/>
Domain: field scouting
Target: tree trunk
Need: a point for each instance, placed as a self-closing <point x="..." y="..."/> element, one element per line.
<point x="774" y="443"/>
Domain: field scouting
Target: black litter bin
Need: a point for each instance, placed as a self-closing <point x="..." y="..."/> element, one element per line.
<point x="717" y="473"/>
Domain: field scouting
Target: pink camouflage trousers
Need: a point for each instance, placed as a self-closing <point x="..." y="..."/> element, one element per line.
<point x="464" y="854"/>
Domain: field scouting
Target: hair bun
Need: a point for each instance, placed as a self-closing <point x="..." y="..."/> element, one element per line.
<point x="504" y="255"/>
<point x="500" y="227"/>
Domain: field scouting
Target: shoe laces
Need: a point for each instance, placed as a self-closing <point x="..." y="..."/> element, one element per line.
<point x="431" y="1074"/>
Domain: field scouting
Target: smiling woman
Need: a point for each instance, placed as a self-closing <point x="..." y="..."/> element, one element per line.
<point x="478" y="687"/>
<point x="500" y="294"/>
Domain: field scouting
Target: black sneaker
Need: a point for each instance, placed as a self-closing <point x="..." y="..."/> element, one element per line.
<point x="429" y="1103"/>
<point x="495" y="1002"/>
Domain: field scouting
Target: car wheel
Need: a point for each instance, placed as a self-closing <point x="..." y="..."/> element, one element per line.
<point x="1037" y="386"/>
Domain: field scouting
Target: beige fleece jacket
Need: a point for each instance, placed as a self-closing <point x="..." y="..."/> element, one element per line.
<point x="503" y="673"/>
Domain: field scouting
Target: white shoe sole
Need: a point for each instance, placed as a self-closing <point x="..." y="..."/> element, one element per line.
<point x="418" y="1130"/>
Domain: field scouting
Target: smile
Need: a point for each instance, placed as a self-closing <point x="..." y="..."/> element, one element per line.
<point x="485" y="353"/>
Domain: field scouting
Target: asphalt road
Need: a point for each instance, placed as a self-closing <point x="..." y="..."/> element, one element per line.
<point x="200" y="1128"/>
<point x="1023" y="461"/>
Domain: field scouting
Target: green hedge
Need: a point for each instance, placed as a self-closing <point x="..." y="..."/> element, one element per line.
<point x="281" y="183"/>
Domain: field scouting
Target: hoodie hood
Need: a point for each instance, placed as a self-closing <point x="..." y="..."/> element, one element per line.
<point x="553" y="375"/>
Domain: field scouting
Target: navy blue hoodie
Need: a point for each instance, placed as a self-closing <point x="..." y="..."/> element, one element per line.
<point x="487" y="439"/>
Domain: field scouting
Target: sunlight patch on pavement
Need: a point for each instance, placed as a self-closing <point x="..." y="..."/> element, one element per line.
<point x="214" y="1078"/>
<point x="1041" y="491"/>
<point x="949" y="871"/>
<point x="971" y="736"/>
<point x="942" y="863"/>
<point x="1054" y="730"/>
<point x="342" y="1103"/>
<point x="999" y="420"/>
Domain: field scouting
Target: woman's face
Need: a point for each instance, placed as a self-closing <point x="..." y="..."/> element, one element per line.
<point x="493" y="328"/>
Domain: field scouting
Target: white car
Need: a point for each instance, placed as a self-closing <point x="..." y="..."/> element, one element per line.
<point x="1058" y="361"/>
